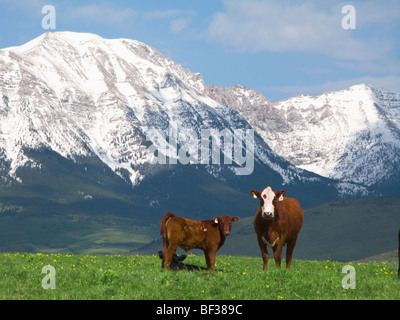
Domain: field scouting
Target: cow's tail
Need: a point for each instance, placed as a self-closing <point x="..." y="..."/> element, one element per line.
<point x="163" y="229"/>
<point x="164" y="221"/>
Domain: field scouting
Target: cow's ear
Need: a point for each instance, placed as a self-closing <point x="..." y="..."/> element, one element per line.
<point x="215" y="219"/>
<point x="281" y="194"/>
<point x="255" y="194"/>
<point x="234" y="219"/>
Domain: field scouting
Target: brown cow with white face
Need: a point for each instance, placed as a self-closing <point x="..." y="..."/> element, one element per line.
<point x="208" y="235"/>
<point x="277" y="222"/>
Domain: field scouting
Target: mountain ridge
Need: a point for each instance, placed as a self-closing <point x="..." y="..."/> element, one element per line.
<point x="81" y="95"/>
<point x="349" y="135"/>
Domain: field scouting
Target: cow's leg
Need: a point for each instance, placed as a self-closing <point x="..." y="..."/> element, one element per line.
<point x="208" y="263"/>
<point x="278" y="251"/>
<point x="289" y="252"/>
<point x="264" y="252"/>
<point x="210" y="259"/>
<point x="168" y="253"/>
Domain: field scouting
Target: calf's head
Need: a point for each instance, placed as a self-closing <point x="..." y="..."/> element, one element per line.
<point x="176" y="262"/>
<point x="268" y="201"/>
<point x="224" y="224"/>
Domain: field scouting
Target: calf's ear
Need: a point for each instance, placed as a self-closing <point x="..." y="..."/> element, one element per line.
<point x="234" y="219"/>
<point x="182" y="257"/>
<point x="255" y="194"/>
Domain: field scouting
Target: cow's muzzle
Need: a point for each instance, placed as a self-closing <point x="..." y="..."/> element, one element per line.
<point x="267" y="215"/>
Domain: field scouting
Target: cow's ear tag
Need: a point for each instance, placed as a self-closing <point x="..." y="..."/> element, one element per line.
<point x="254" y="196"/>
<point x="281" y="197"/>
<point x="215" y="220"/>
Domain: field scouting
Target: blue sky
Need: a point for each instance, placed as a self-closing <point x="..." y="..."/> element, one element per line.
<point x="280" y="48"/>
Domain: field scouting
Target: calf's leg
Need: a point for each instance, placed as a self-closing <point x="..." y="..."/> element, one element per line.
<point x="168" y="253"/>
<point x="210" y="258"/>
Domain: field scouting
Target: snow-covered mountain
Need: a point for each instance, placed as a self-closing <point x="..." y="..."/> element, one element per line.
<point x="80" y="95"/>
<point x="351" y="135"/>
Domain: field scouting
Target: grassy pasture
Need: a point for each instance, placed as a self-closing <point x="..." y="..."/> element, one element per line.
<point x="136" y="277"/>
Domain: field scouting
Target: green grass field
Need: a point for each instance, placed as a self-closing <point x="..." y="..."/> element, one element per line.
<point x="140" y="277"/>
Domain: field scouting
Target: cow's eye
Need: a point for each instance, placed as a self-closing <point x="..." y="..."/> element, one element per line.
<point x="264" y="196"/>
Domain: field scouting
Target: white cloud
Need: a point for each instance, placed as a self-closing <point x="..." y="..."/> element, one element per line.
<point x="171" y="13"/>
<point x="377" y="12"/>
<point x="102" y="13"/>
<point x="180" y="19"/>
<point x="301" y="26"/>
<point x="179" y="25"/>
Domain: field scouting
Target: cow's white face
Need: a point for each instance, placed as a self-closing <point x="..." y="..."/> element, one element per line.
<point x="268" y="200"/>
<point x="268" y="209"/>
